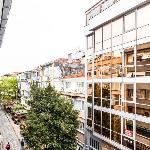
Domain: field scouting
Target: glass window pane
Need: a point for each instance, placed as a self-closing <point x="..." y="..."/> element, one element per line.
<point x="143" y="16"/>
<point x="143" y="134"/>
<point x="97" y="117"/>
<point x="107" y="44"/>
<point x="107" y="31"/>
<point x="97" y="94"/>
<point x="143" y="32"/>
<point x="117" y="27"/>
<point x="128" y="128"/>
<point x="116" y="41"/>
<point x="143" y="61"/>
<point x="90" y="41"/>
<point x="106" y="95"/>
<point x="142" y="99"/>
<point x="98" y="35"/>
<point x="89" y="112"/>
<point x="98" y="47"/>
<point x="130" y="21"/>
<point x="129" y="37"/>
<point x="116" y="96"/>
<point x="129" y="68"/>
<point x="106" y="120"/>
<point x="116" y="128"/>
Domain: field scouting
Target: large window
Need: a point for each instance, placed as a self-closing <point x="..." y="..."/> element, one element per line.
<point x="107" y="36"/>
<point x="129" y="21"/>
<point x="107" y="31"/>
<point x="98" y="39"/>
<point x="90" y="41"/>
<point x="143" y="15"/>
<point x="98" y="35"/>
<point x="117" y="27"/>
<point x="89" y="117"/>
<point x="116" y="128"/>
<point x="97" y="121"/>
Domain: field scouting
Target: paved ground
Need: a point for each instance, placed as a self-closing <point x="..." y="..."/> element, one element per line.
<point x="8" y="131"/>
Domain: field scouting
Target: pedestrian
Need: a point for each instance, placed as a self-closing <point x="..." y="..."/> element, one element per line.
<point x="8" y="146"/>
<point x="22" y="144"/>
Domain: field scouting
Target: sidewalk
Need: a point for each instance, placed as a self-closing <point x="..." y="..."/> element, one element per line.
<point x="15" y="127"/>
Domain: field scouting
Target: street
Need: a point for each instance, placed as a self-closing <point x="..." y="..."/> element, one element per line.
<point x="8" y="132"/>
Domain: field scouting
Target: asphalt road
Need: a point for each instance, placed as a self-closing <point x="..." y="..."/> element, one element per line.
<point x="8" y="134"/>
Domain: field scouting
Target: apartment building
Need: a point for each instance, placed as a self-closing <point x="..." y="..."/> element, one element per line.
<point x="24" y="83"/>
<point x="72" y="87"/>
<point x="118" y="75"/>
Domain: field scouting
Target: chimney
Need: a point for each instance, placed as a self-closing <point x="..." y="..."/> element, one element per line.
<point x="70" y="57"/>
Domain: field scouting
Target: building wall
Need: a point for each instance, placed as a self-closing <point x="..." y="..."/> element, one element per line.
<point x="118" y="78"/>
<point x="73" y="88"/>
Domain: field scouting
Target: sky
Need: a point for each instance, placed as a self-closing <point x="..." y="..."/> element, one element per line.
<point x="38" y="31"/>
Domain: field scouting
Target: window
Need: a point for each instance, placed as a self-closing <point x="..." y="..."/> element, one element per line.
<point x="98" y="35"/>
<point x="89" y="112"/>
<point x="129" y="37"/>
<point x="90" y="41"/>
<point x="130" y="21"/>
<point x="80" y="84"/>
<point x="130" y="93"/>
<point x="97" y="117"/>
<point x="147" y="73"/>
<point x="107" y="31"/>
<point x="143" y="16"/>
<point x="68" y="84"/>
<point x="78" y="104"/>
<point x="146" y="114"/>
<point x="141" y="94"/>
<point x="148" y="94"/>
<point x="107" y="44"/>
<point x="117" y="27"/>
<point x="116" y="41"/>
<point x="94" y="144"/>
<point x="81" y="126"/>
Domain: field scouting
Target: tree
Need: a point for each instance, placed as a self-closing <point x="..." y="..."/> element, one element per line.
<point x="51" y="122"/>
<point x="8" y="89"/>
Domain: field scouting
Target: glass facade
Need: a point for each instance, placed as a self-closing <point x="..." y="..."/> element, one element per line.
<point x="118" y="80"/>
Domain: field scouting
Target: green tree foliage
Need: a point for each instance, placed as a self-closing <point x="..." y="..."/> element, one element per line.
<point x="8" y="89"/>
<point x="51" y="122"/>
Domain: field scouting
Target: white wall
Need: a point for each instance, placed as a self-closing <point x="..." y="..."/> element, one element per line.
<point x="73" y="85"/>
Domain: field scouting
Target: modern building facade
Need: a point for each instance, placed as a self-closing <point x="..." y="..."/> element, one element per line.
<point x="118" y="75"/>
